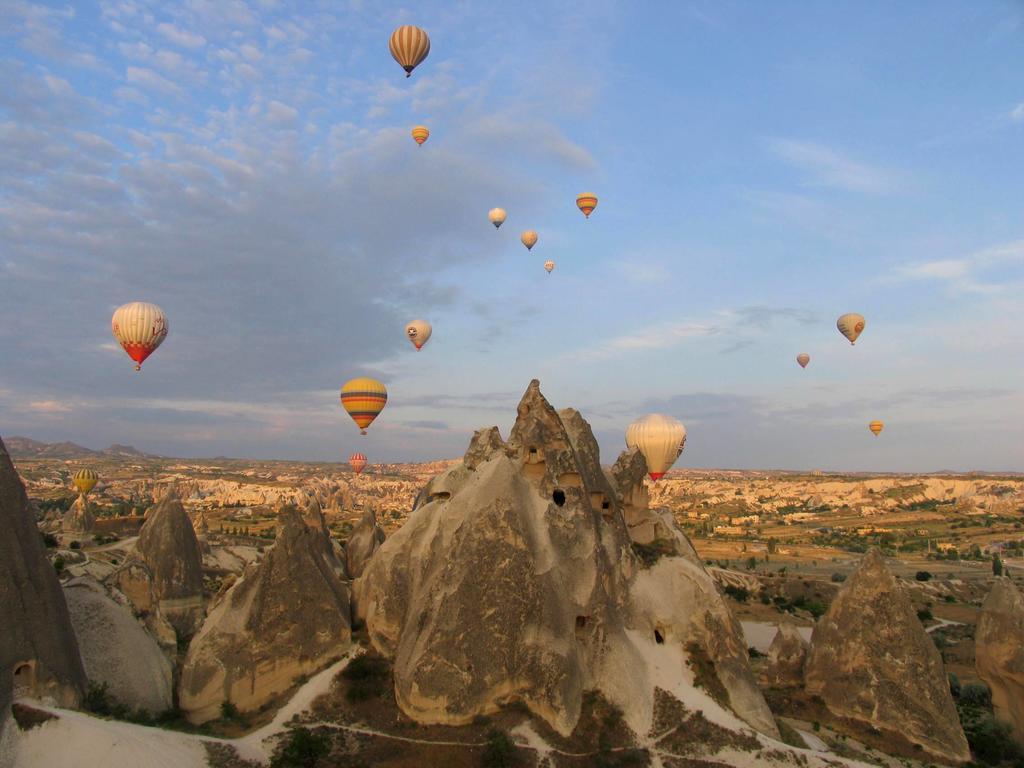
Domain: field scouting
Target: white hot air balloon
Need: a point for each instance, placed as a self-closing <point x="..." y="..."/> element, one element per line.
<point x="139" y="328"/>
<point x="549" y="265"/>
<point x="418" y="332"/>
<point x="497" y="216"/>
<point x="659" y="438"/>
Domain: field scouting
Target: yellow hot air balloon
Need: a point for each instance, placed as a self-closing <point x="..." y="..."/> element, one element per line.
<point x="139" y="328"/>
<point x="529" y="238"/>
<point x="418" y="332"/>
<point x="85" y="480"/>
<point x="497" y="216"/>
<point x="420" y="134"/>
<point x="803" y="358"/>
<point x="409" y="45"/>
<point x="363" y="398"/>
<point x="876" y="427"/>
<point x="549" y="265"/>
<point x="660" y="439"/>
<point x="850" y="325"/>
<point x="586" y="202"/>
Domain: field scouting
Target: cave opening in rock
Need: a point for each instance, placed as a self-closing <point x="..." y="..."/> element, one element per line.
<point x="581" y="625"/>
<point x="558" y="496"/>
<point x="658" y="638"/>
<point x="23" y="682"/>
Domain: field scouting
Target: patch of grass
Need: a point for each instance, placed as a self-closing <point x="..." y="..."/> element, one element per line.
<point x="704" y="673"/>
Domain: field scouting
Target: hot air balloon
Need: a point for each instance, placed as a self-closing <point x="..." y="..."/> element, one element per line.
<point x="803" y="358"/>
<point x="140" y="328"/>
<point x="586" y="202"/>
<point x="358" y="463"/>
<point x="363" y="398"/>
<point x="876" y="427"/>
<point x="420" y="134"/>
<point x="410" y="46"/>
<point x="850" y="325"/>
<point x="549" y="265"/>
<point x="85" y="480"/>
<point x="660" y="439"/>
<point x="418" y="332"/>
<point x="497" y="216"/>
<point x="529" y="238"/>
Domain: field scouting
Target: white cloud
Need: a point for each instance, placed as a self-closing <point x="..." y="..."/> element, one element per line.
<point x="181" y="37"/>
<point x="147" y="78"/>
<point x="961" y="275"/>
<point x="830" y="168"/>
<point x="49" y="406"/>
<point x="1017" y="113"/>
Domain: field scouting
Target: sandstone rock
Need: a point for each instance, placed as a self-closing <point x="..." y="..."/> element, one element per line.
<point x="38" y="653"/>
<point x="116" y="650"/>
<point x="169" y="548"/>
<point x="871" y="660"/>
<point x="366" y="539"/>
<point x="999" y="652"/>
<point x="199" y="525"/>
<point x="515" y="579"/>
<point x="787" y="655"/>
<point x="79" y="519"/>
<point x="286" y="616"/>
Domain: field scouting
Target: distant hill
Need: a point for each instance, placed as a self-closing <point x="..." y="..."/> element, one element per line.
<point x="25" y="447"/>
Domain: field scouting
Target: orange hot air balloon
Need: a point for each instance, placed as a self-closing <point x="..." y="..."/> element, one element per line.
<point x="409" y="47"/>
<point x="358" y="463"/>
<point x="420" y="134"/>
<point x="529" y="239"/>
<point x="803" y="359"/>
<point x="586" y="202"/>
<point x="851" y="325"/>
<point x="876" y="427"/>
<point x="364" y="399"/>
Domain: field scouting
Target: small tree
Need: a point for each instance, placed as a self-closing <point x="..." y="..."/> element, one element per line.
<point x="997" y="565"/>
<point x="500" y="751"/>
<point x="302" y="749"/>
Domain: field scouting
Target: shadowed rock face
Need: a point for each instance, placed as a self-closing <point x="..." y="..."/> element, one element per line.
<point x="38" y="651"/>
<point x="366" y="539"/>
<point x="169" y="548"/>
<point x="871" y="660"/>
<point x="515" y="579"/>
<point x="79" y="518"/>
<point x="786" y="658"/>
<point x="286" y="616"/>
<point x="999" y="652"/>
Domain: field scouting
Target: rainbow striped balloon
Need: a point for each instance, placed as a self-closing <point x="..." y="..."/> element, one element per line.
<point x="420" y="134"/>
<point x="358" y="462"/>
<point x="364" y="399"/>
<point x="586" y="202"/>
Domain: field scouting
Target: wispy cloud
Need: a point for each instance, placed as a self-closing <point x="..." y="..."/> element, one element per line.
<point x="1017" y="113"/>
<point x="963" y="275"/>
<point x="828" y="167"/>
<point x="181" y="37"/>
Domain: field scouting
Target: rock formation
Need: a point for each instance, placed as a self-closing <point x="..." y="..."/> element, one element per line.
<point x="286" y="616"/>
<point x="871" y="660"/>
<point x="787" y="655"/>
<point x="515" y="579"/>
<point x="38" y="653"/>
<point x="169" y="548"/>
<point x="999" y="652"/>
<point x="79" y="519"/>
<point x="199" y="525"/>
<point x="116" y="650"/>
<point x="134" y="581"/>
<point x="366" y="539"/>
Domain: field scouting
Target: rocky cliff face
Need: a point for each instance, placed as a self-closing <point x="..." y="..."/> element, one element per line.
<point x="787" y="655"/>
<point x="79" y="519"/>
<point x="999" y="652"/>
<point x="871" y="660"/>
<point x="515" y="579"/>
<point x="286" y="616"/>
<point x="169" y="548"/>
<point x="366" y="539"/>
<point x="116" y="650"/>
<point x="38" y="652"/>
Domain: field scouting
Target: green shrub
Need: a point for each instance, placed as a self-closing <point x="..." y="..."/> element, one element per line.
<point x="301" y="749"/>
<point x="58" y="563"/>
<point x="976" y="695"/>
<point x="500" y="751"/>
<point x="923" y="576"/>
<point x="228" y="710"/>
<point x="838" y="578"/>
<point x="740" y="594"/>
<point x="992" y="741"/>
<point x="49" y="540"/>
<point x="367" y="676"/>
<point x="925" y="614"/>
<point x="75" y="545"/>
<point x="97" y="700"/>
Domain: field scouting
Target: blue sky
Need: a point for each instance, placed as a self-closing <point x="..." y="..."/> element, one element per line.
<point x="761" y="167"/>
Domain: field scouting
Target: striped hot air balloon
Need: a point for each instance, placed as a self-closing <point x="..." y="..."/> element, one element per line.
<point x="364" y="399"/>
<point x="876" y="427"/>
<point x="85" y="480"/>
<point x="549" y="265"/>
<point x="139" y="328"/>
<point x="586" y="202"/>
<point x="420" y="134"/>
<point x="409" y="45"/>
<point x="529" y="239"/>
<point x="358" y="463"/>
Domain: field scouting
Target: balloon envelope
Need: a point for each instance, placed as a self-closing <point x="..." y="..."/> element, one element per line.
<point x="529" y="238"/>
<point x="85" y="480"/>
<point x="851" y="325"/>
<point x="418" y="332"/>
<point x="549" y="265"/>
<point x="659" y="438"/>
<point x="358" y="462"/>
<point x="876" y="427"/>
<point x="803" y="358"/>
<point x="420" y="134"/>
<point x="364" y="399"/>
<point x="586" y="202"/>
<point x="409" y="46"/>
<point x="497" y="216"/>
<point x="139" y="328"/>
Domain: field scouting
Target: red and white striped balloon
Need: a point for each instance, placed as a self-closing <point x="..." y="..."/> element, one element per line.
<point x="358" y="462"/>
